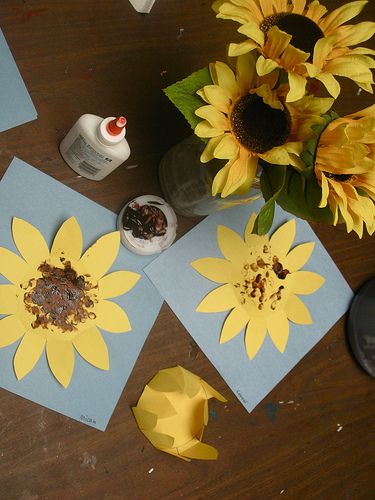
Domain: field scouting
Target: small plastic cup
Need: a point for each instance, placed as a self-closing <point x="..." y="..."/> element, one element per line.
<point x="147" y="225"/>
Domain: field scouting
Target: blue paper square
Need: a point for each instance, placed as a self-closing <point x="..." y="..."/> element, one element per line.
<point x="15" y="103"/>
<point x="183" y="289"/>
<point x="92" y="394"/>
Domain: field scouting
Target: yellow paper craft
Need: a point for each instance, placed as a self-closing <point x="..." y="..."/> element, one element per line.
<point x="57" y="299"/>
<point x="173" y="411"/>
<point x="260" y="279"/>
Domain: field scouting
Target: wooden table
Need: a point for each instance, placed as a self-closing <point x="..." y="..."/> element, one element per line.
<point x="102" y="57"/>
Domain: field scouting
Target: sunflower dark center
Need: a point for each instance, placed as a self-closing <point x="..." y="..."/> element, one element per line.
<point x="257" y="126"/>
<point x="305" y="33"/>
<point x="338" y="177"/>
<point x="60" y="298"/>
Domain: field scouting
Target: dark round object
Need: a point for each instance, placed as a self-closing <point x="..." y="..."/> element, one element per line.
<point x="305" y="33"/>
<point x="361" y="326"/>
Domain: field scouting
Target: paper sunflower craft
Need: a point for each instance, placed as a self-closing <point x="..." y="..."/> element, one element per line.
<point x="172" y="413"/>
<point x="57" y="299"/>
<point x="261" y="280"/>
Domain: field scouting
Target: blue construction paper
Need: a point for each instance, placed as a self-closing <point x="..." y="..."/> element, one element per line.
<point x="183" y="288"/>
<point x="16" y="106"/>
<point x="93" y="393"/>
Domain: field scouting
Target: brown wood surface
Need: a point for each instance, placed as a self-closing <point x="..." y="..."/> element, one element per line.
<point x="102" y="57"/>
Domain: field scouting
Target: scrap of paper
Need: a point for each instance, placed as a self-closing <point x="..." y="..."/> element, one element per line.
<point x="260" y="278"/>
<point x="142" y="6"/>
<point x="92" y="394"/>
<point x="172" y="413"/>
<point x="58" y="298"/>
<point x="184" y="288"/>
<point x="15" y="102"/>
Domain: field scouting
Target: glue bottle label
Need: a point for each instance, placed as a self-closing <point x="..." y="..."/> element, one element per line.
<point x="84" y="157"/>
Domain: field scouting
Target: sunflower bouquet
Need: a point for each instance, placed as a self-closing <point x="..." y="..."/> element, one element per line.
<point x="259" y="116"/>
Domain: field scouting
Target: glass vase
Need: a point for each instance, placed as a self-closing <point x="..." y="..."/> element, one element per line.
<point x="186" y="182"/>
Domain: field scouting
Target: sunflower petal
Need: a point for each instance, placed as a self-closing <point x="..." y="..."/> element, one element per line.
<point x="111" y="317"/>
<point x="255" y="334"/>
<point x="278" y="328"/>
<point x="205" y="129"/>
<point x="225" y="78"/>
<point x="218" y="300"/>
<point x="265" y="66"/>
<point x="68" y="241"/>
<point x="220" y="179"/>
<point x="100" y="256"/>
<point x="339" y="16"/>
<point x="252" y="31"/>
<point x="208" y="152"/>
<point x="230" y="243"/>
<point x="91" y="346"/>
<point x="213" y="116"/>
<point x="306" y="282"/>
<point x="297" y="311"/>
<point x="29" y="242"/>
<point x="298" y="256"/>
<point x="217" y="270"/>
<point x="239" y="49"/>
<point x="13" y="267"/>
<point x="217" y="97"/>
<point x="8" y="299"/>
<point x="60" y="356"/>
<point x="282" y="239"/>
<point x="330" y="83"/>
<point x="117" y="283"/>
<point x="227" y="148"/>
<point x="11" y="329"/>
<point x="297" y="84"/>
<point x="28" y="353"/>
<point x="233" y="324"/>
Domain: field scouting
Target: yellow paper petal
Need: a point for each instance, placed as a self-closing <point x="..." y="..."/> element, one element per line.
<point x="278" y="328"/>
<point x="229" y="243"/>
<point x="8" y="299"/>
<point x="145" y="419"/>
<point x="220" y="299"/>
<point x="60" y="356"/>
<point x="91" y="346"/>
<point x="117" y="283"/>
<point x="282" y="238"/>
<point x="111" y="317"/>
<point x="233" y="324"/>
<point x="201" y="451"/>
<point x="100" y="256"/>
<point x="298" y="256"/>
<point x="297" y="311"/>
<point x="68" y="241"/>
<point x="255" y="334"/>
<point x="11" y="329"/>
<point x="159" y="440"/>
<point x="250" y="226"/>
<point x="217" y="270"/>
<point x="306" y="282"/>
<point x="154" y="401"/>
<point x="28" y="353"/>
<point x="211" y="392"/>
<point x="29" y="241"/>
<point x="12" y="267"/>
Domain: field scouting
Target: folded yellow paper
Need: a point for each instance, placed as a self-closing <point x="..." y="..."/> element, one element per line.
<point x="57" y="299"/>
<point x="172" y="412"/>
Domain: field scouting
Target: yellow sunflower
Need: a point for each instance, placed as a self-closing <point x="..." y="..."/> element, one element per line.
<point x="56" y="299"/>
<point x="261" y="278"/>
<point x="245" y="120"/>
<point x="303" y="40"/>
<point x="345" y="169"/>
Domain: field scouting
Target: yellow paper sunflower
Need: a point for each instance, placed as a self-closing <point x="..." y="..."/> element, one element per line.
<point x="57" y="298"/>
<point x="303" y="40"/>
<point x="345" y="169"/>
<point x="261" y="280"/>
<point x="236" y="120"/>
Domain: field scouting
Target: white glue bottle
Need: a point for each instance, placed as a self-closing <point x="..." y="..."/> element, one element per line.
<point x="94" y="146"/>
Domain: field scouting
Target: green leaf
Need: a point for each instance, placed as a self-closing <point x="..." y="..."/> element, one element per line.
<point x="300" y="194"/>
<point x="183" y="94"/>
<point x="270" y="191"/>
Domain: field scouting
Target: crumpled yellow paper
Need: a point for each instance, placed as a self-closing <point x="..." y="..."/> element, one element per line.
<point x="32" y="314"/>
<point x="172" y="412"/>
